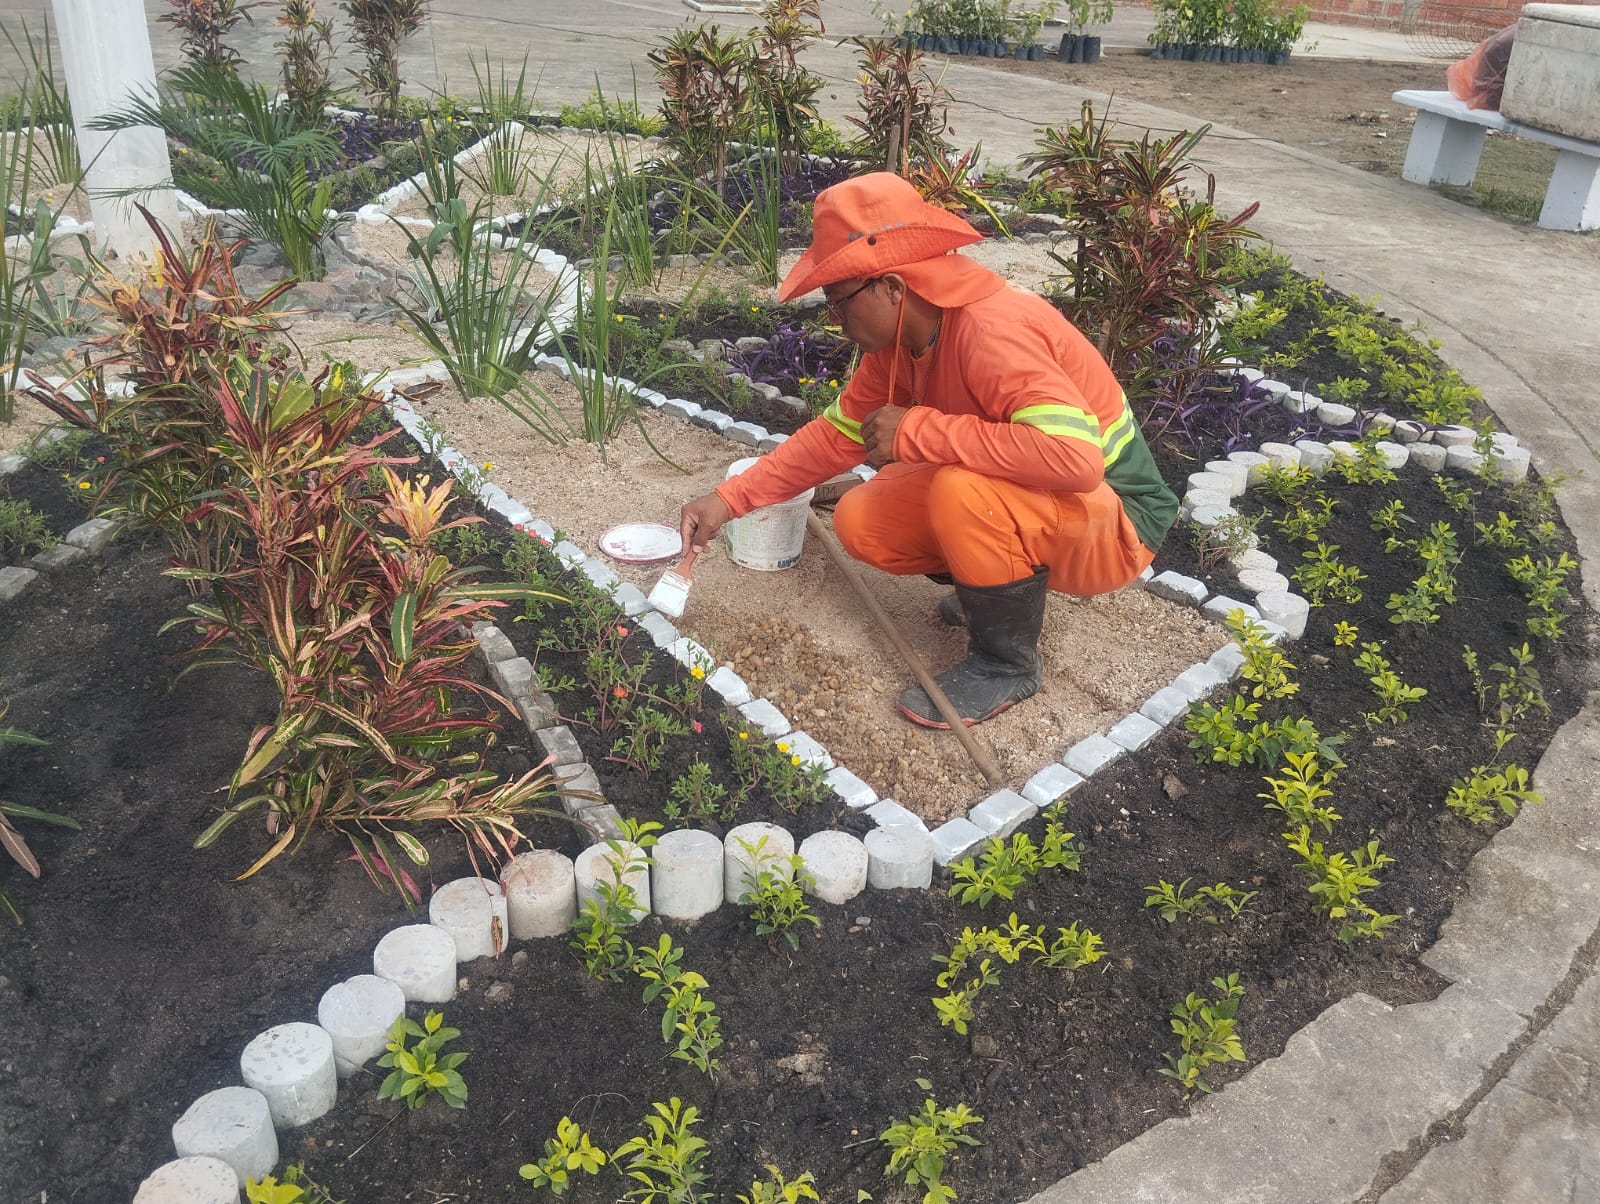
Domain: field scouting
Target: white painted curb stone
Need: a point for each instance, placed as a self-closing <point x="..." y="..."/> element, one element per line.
<point x="837" y="865"/>
<point x="232" y="1124"/>
<point x="1289" y="610"/>
<point x="686" y="881"/>
<point x="899" y="857"/>
<point x="358" y="1014"/>
<point x="594" y="867"/>
<point x="198" y="1180"/>
<point x="541" y="894"/>
<point x="292" y="1065"/>
<point x="419" y="959"/>
<point x="473" y="912"/>
<point x="739" y="867"/>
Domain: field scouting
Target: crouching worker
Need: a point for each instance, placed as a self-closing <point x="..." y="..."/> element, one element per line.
<point x="1008" y="460"/>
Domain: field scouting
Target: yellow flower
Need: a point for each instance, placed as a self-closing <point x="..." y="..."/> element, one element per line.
<point x="782" y="747"/>
<point x="833" y="383"/>
<point x="794" y="760"/>
<point x="85" y="485"/>
<point x="697" y="673"/>
<point x="744" y="735"/>
<point x="488" y="466"/>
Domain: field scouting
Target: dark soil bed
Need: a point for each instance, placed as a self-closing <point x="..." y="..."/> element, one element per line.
<point x="142" y="969"/>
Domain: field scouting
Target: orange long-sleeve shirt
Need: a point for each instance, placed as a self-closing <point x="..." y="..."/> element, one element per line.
<point x="1000" y="365"/>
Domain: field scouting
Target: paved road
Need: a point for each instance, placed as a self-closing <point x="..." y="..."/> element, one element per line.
<point x="1490" y="1093"/>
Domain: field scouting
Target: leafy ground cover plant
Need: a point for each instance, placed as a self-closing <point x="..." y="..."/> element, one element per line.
<point x="664" y="1161"/>
<point x="1342" y="882"/>
<point x="420" y="1067"/>
<point x="568" y="1151"/>
<point x="23" y="531"/>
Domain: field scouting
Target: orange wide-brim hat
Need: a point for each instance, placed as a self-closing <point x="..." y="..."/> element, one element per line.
<point x="879" y="223"/>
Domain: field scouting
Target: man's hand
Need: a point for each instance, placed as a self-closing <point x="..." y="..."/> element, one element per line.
<point x="701" y="519"/>
<point x="877" y="432"/>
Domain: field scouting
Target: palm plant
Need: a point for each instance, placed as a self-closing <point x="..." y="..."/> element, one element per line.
<point x="266" y="153"/>
<point x="377" y="28"/>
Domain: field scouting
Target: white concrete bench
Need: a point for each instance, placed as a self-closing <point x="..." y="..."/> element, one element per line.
<point x="1448" y="138"/>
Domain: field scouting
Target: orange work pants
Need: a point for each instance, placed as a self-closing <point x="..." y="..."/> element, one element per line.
<point x="929" y="518"/>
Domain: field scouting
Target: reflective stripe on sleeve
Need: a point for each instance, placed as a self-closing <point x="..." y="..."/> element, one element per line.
<point x="1119" y="434"/>
<point x="1064" y="420"/>
<point x="845" y="426"/>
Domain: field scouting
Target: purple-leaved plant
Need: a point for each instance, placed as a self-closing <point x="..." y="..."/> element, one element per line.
<point x="796" y="351"/>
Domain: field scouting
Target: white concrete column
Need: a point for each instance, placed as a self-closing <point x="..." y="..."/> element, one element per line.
<point x="105" y="56"/>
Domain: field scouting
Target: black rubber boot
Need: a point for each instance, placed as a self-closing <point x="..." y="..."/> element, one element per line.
<point x="950" y="611"/>
<point x="1003" y="665"/>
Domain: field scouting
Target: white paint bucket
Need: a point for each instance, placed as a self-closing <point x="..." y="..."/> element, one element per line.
<point x="771" y="537"/>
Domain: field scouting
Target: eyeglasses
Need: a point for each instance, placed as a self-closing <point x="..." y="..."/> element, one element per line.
<point x="836" y="304"/>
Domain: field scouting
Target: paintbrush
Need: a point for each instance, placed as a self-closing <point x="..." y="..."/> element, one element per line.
<point x="672" y="591"/>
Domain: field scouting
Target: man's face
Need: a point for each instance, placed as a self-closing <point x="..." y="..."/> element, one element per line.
<point x="864" y="310"/>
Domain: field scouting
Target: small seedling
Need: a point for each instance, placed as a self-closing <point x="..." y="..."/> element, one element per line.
<point x="919" y="1145"/>
<point x="776" y="896"/>
<point x="688" y="1013"/>
<point x="1393" y="693"/>
<point x="1173" y="901"/>
<point x="568" y="1151"/>
<point x="1206" y="1034"/>
<point x="775" y="1189"/>
<point x="1298" y="794"/>
<point x="421" y="1070"/>
<point x="1264" y="665"/>
<point x="1325" y="577"/>
<point x="1485" y="790"/>
<point x="664" y="1162"/>
<point x="1341" y="881"/>
<point x="1004" y="866"/>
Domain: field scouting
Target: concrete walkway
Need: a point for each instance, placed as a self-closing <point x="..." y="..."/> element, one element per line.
<point x="1490" y="1092"/>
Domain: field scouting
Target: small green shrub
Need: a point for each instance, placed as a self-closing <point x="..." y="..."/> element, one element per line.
<point x="421" y="1069"/>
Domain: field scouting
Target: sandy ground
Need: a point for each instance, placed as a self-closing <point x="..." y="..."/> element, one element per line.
<point x="800" y="636"/>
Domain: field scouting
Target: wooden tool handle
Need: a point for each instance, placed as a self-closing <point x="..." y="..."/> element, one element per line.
<point x="981" y="756"/>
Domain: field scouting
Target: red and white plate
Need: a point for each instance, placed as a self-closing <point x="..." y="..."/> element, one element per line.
<point x="642" y="543"/>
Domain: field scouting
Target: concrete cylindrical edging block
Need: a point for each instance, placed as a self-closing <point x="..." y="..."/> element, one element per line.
<point x="358" y="1014"/>
<point x="473" y="912"/>
<point x="1282" y="456"/>
<point x="232" y="1124"/>
<point x="1235" y="472"/>
<point x="836" y="863"/>
<point x="899" y="857"/>
<point x="292" y="1066"/>
<point x="198" y="1180"/>
<point x="750" y="849"/>
<point x="1289" y="610"/>
<point x="686" y="881"/>
<point x="623" y="865"/>
<point x="541" y="894"/>
<point x="419" y="959"/>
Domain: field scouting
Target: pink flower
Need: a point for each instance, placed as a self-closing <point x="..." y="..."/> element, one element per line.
<point x="698" y="727"/>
